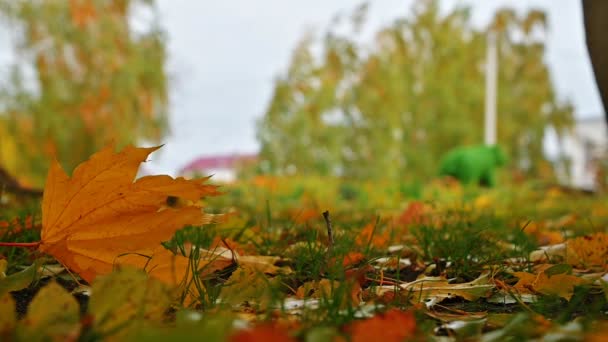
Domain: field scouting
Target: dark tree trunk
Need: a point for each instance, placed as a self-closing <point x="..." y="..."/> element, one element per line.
<point x="595" y="14"/>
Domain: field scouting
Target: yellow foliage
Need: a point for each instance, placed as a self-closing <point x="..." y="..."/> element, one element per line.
<point x="588" y="251"/>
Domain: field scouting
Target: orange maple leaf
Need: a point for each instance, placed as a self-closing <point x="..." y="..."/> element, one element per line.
<point x="369" y="236"/>
<point x="100" y="214"/>
<point x="393" y="325"/>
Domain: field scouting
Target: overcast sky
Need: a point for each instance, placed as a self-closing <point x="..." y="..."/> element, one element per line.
<point x="224" y="55"/>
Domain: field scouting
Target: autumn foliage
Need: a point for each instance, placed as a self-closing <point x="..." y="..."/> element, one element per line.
<point x="420" y="268"/>
<point x="101" y="214"/>
<point x="96" y="79"/>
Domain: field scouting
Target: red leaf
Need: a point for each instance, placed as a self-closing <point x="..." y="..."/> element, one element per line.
<point x="394" y="325"/>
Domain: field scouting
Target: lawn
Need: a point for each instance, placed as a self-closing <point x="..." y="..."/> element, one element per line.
<point x="320" y="259"/>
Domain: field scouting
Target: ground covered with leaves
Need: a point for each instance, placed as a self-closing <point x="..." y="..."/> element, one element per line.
<point x="318" y="260"/>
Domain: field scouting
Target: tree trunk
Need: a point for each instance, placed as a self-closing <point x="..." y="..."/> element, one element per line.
<point x="595" y="14"/>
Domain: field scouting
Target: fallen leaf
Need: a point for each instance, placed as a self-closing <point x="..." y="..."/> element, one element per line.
<point x="588" y="251"/>
<point x="394" y="325"/>
<point x="545" y="281"/>
<point x="227" y="243"/>
<point x="432" y="290"/>
<point x="20" y="280"/>
<point x="317" y="289"/>
<point x="555" y="253"/>
<point x="249" y="284"/>
<point x="456" y="316"/>
<point x="352" y="259"/>
<point x="159" y="263"/>
<point x="8" y="316"/>
<point x="265" y="264"/>
<point x="101" y="213"/>
<point x="369" y="235"/>
<point x="414" y="214"/>
<point x="346" y="293"/>
<point x="125" y="301"/>
<point x="543" y="234"/>
<point x="53" y="313"/>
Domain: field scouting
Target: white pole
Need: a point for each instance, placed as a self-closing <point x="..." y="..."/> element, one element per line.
<point x="490" y="101"/>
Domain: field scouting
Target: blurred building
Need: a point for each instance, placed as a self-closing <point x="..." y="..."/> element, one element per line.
<point x="586" y="149"/>
<point x="224" y="168"/>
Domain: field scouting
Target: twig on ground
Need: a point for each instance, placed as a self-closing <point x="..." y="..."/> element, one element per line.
<point x="330" y="233"/>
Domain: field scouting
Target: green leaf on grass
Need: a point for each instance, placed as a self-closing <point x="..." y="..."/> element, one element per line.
<point x="20" y="280"/>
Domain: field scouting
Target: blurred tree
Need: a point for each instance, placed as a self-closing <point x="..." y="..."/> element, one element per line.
<point x="393" y="108"/>
<point x="95" y="79"/>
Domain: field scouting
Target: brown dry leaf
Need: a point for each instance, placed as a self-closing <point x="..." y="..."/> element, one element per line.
<point x="432" y="290"/>
<point x="394" y="325"/>
<point x="545" y="282"/>
<point x="101" y="213"/>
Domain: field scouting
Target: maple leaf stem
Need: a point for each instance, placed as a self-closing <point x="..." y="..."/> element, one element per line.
<point x="20" y="244"/>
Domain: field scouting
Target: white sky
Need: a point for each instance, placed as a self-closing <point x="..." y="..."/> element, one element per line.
<point x="224" y="55"/>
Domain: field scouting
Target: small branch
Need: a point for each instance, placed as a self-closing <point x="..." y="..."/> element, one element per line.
<point x="330" y="233"/>
<point x="20" y="244"/>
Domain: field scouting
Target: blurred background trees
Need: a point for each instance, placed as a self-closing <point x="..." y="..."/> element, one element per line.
<point x="96" y="74"/>
<point x="392" y="108"/>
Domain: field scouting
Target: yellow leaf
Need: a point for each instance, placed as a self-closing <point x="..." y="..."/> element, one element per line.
<point x="561" y="285"/>
<point x="125" y="301"/>
<point x="53" y="313"/>
<point x="588" y="251"/>
<point x="247" y="283"/>
<point x="101" y="213"/>
<point x="8" y="318"/>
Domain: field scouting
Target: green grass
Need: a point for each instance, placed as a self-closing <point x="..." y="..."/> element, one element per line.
<point x="466" y="233"/>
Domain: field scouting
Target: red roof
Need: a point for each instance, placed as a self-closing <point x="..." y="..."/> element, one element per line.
<point x="203" y="164"/>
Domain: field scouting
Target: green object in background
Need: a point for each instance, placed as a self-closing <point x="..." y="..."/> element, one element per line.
<point x="473" y="164"/>
<point x="362" y="112"/>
